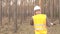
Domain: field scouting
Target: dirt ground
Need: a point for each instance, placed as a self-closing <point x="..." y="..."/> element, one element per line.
<point x="24" y="28"/>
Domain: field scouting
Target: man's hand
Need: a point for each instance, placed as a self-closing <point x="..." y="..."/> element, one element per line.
<point x="52" y="24"/>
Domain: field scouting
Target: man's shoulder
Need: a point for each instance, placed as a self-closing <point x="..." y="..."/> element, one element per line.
<point x="39" y="15"/>
<point x="43" y="14"/>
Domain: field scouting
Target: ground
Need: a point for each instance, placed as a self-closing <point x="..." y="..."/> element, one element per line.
<point x="24" y="27"/>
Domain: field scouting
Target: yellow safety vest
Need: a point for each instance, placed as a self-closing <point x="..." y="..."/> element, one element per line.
<point x="39" y="22"/>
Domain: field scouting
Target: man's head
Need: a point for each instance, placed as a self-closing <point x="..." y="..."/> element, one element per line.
<point x="37" y="10"/>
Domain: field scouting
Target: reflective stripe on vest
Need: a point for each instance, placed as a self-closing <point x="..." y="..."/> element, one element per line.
<point x="39" y="28"/>
<point x="39" y="24"/>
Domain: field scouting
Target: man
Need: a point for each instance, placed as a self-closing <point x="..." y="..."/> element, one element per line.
<point x="39" y="21"/>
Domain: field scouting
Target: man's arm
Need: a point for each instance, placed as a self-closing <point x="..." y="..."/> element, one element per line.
<point x="31" y="22"/>
<point x="49" y="23"/>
